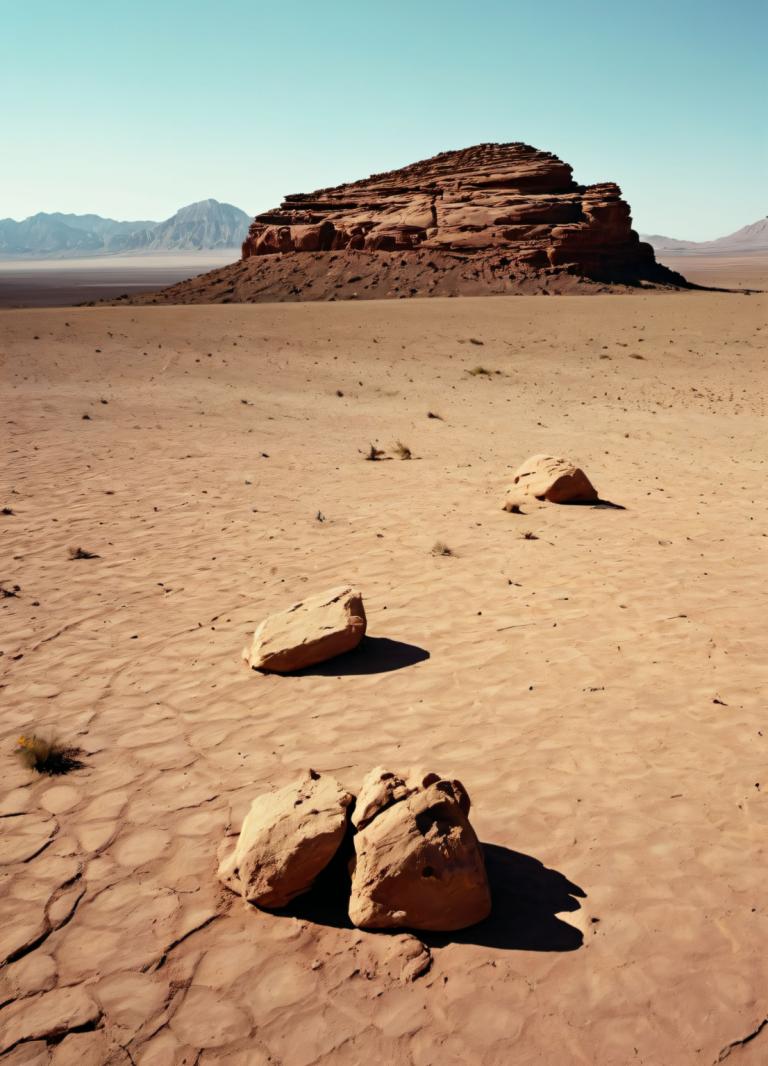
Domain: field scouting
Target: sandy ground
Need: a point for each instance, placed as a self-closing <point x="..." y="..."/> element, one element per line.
<point x="61" y="282"/>
<point x="599" y="690"/>
<point x="738" y="272"/>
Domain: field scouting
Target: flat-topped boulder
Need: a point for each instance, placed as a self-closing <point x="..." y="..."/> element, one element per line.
<point x="308" y="632"/>
<point x="545" y="477"/>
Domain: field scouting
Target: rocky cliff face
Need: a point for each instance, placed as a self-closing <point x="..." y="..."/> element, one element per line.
<point x="512" y="209"/>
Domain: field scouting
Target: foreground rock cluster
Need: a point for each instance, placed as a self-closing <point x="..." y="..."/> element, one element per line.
<point x="416" y="864"/>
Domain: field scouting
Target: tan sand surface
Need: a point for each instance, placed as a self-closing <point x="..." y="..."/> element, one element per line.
<point x="600" y="690"/>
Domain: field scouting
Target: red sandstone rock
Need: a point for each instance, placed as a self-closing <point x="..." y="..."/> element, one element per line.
<point x="492" y="219"/>
<point x="506" y="202"/>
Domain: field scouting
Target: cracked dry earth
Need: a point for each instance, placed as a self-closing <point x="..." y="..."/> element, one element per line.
<point x="599" y="687"/>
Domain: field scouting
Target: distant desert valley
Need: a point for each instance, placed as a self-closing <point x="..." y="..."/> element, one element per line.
<point x="383" y="651"/>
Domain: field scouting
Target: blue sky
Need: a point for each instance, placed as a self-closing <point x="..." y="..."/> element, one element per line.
<point x="131" y="108"/>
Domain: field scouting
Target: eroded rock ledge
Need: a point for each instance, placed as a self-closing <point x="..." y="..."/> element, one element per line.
<point x="494" y="199"/>
<point x="491" y="219"/>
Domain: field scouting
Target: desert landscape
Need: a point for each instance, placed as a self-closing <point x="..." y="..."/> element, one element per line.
<point x="591" y="674"/>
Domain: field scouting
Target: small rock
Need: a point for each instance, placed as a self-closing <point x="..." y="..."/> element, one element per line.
<point x="547" y="478"/>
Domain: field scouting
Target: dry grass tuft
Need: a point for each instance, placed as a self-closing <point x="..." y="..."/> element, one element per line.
<point x="402" y="451"/>
<point x="82" y="553"/>
<point x="529" y="536"/>
<point x="476" y="371"/>
<point x="45" y="755"/>
<point x="441" y="548"/>
<point x="374" y="453"/>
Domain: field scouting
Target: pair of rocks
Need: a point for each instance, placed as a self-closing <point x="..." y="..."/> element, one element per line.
<point x="545" y="477"/>
<point x="417" y="861"/>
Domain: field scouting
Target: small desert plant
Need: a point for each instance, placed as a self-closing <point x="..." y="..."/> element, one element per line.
<point x="374" y="453"/>
<point x="441" y="548"/>
<point x="47" y="755"/>
<point x="403" y="451"/>
<point x="82" y="553"/>
<point x="476" y="371"/>
<point x="434" y="414"/>
<point x="529" y="536"/>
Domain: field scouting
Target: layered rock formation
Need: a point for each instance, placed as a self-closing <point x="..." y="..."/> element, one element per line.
<point x="505" y="200"/>
<point x="494" y="218"/>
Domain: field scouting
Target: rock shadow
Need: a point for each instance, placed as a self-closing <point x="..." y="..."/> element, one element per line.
<point x="327" y="902"/>
<point x="527" y="898"/>
<point x="374" y="655"/>
<point x="607" y="505"/>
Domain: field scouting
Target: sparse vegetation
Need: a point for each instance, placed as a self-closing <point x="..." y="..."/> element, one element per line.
<point x="434" y="414"/>
<point x="441" y="548"/>
<point x="403" y="451"/>
<point x="374" y="453"/>
<point x="477" y="371"/>
<point x="82" y="553"/>
<point x="47" y="755"/>
<point x="529" y="536"/>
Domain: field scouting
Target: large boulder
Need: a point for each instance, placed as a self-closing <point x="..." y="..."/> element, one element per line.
<point x="548" y="478"/>
<point x="418" y="863"/>
<point x="308" y="632"/>
<point x="288" y="837"/>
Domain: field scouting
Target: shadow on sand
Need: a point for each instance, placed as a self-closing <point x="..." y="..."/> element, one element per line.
<point x="527" y="899"/>
<point x="374" y="655"/>
<point x="606" y="505"/>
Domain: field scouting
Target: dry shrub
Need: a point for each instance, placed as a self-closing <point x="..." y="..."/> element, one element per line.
<point x="46" y="755"/>
<point x="441" y="548"/>
<point x="82" y="553"/>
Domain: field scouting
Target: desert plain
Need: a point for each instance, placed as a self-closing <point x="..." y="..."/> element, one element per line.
<point x="594" y="675"/>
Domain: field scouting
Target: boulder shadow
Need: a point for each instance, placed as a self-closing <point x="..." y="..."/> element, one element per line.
<point x="527" y="899"/>
<point x="327" y="902"/>
<point x="374" y="655"/>
<point x="605" y="505"/>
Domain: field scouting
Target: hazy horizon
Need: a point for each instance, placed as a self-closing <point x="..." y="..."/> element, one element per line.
<point x="136" y="111"/>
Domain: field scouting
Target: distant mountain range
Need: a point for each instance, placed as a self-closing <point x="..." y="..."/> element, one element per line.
<point x="748" y="239"/>
<point x="207" y="224"/>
